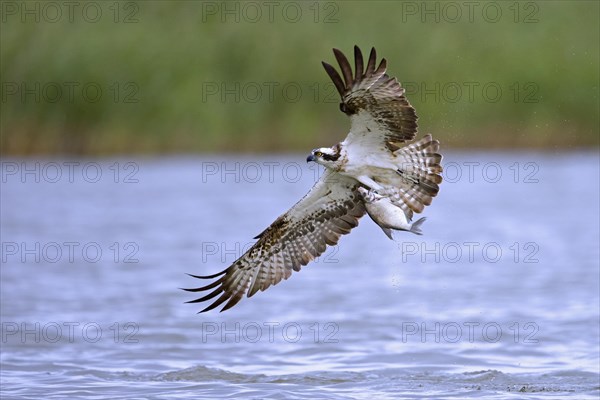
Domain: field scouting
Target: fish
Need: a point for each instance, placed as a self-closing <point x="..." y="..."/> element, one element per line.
<point x="387" y="215"/>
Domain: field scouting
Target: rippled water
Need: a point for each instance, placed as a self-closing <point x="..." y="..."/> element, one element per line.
<point x="498" y="299"/>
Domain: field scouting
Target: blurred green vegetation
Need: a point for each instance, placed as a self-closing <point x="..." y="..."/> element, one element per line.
<point x="184" y="76"/>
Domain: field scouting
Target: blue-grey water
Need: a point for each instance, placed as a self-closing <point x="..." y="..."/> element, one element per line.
<point x="498" y="299"/>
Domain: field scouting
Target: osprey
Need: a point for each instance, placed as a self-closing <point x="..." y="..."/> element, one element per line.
<point x="369" y="172"/>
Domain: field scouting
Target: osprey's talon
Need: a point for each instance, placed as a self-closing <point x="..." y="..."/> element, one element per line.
<point x="371" y="195"/>
<point x="379" y="192"/>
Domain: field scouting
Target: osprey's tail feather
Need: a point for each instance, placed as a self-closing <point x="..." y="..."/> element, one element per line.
<point x="419" y="173"/>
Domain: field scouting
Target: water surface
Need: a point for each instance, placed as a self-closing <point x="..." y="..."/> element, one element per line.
<point x="498" y="299"/>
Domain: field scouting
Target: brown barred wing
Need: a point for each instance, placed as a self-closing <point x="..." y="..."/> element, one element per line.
<point x="329" y="210"/>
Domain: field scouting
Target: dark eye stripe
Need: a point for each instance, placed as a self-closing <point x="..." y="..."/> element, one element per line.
<point x="331" y="157"/>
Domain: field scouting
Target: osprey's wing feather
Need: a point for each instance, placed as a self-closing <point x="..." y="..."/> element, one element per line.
<point x="330" y="209"/>
<point x="419" y="176"/>
<point x="380" y="113"/>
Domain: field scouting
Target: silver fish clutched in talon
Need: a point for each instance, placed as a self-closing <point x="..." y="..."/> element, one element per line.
<point x="387" y="215"/>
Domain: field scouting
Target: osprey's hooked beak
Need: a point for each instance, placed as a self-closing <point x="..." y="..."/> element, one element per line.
<point x="310" y="158"/>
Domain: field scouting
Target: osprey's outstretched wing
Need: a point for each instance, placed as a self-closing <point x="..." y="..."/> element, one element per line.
<point x="330" y="209"/>
<point x="380" y="113"/>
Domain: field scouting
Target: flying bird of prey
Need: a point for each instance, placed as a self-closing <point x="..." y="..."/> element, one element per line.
<point x="371" y="171"/>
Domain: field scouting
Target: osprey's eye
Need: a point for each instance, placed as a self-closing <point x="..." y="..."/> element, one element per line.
<point x="318" y="154"/>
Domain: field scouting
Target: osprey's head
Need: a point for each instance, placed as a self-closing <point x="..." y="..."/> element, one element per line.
<point x="326" y="156"/>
